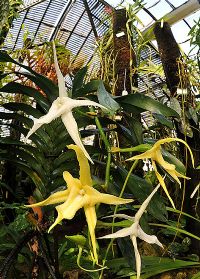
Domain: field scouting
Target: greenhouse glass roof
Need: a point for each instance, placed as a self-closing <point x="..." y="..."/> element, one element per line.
<point x="76" y="23"/>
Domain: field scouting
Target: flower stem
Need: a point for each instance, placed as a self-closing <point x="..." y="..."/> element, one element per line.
<point x="115" y="211"/>
<point x="107" y="145"/>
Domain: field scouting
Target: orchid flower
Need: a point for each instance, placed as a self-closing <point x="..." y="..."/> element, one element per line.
<point x="63" y="106"/>
<point x="135" y="231"/>
<point x="156" y="156"/>
<point x="80" y="193"/>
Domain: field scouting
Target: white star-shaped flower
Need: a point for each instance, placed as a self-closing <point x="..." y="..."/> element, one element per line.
<point x="62" y="107"/>
<point x="135" y="231"/>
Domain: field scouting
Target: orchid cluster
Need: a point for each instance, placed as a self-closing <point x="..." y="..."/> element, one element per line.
<point x="80" y="192"/>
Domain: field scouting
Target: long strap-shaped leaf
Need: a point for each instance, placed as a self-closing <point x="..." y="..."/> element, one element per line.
<point x="24" y="167"/>
<point x="144" y="102"/>
<point x="49" y="87"/>
<point x="23" y="107"/>
<point x="14" y="87"/>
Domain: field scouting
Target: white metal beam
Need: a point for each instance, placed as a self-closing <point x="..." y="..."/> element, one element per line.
<point x="176" y="15"/>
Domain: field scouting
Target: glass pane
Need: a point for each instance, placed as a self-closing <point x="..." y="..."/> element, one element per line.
<point x="161" y="9"/>
<point x="177" y="3"/>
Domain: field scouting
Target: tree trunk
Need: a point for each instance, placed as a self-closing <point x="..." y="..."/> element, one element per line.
<point x="122" y="53"/>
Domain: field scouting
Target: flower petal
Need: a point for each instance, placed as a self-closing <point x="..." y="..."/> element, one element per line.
<point x="85" y="176"/>
<point x="69" y="208"/>
<point x="97" y="197"/>
<point x="166" y="140"/>
<point x="58" y="107"/>
<point x="156" y="155"/>
<point x="61" y="81"/>
<point x="124" y="216"/>
<point x="72" y="183"/>
<point x="162" y="183"/>
<point x="52" y="114"/>
<point x="91" y="218"/>
<point x="159" y="158"/>
<point x="57" y="221"/>
<point x="176" y="174"/>
<point x="144" y="205"/>
<point x="147" y="154"/>
<point x="57" y="197"/>
<point x="152" y="239"/>
<point x="137" y="256"/>
<point x="72" y="129"/>
<point x="121" y="233"/>
<point x="80" y="103"/>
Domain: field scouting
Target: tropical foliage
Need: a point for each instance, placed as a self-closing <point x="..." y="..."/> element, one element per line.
<point x="109" y="175"/>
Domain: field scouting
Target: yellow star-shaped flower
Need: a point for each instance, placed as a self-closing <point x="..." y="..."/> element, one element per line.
<point x="80" y="193"/>
<point x="156" y="156"/>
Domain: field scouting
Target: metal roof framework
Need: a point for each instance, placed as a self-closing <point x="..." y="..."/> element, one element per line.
<point x="75" y="24"/>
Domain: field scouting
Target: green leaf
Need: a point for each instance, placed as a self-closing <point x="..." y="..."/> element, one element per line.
<point x="146" y="103"/>
<point x="135" y="125"/>
<point x="21" y="118"/>
<point x="23" y="107"/>
<point x="176" y="229"/>
<point x="4" y="185"/>
<point x="24" y="167"/>
<point x="106" y="99"/>
<point x="56" y="183"/>
<point x="91" y="86"/>
<point x="20" y="223"/>
<point x="36" y="154"/>
<point x="126" y="248"/>
<point x="40" y="144"/>
<point x="78" y="82"/>
<point x="59" y="170"/>
<point x="196" y="276"/>
<point x="29" y="122"/>
<point x="63" y="158"/>
<point x="158" y="265"/>
<point x="141" y="189"/>
<point x="174" y="160"/>
<point x="33" y="163"/>
<point x="163" y="120"/>
<point x="5" y="140"/>
<point x="78" y="239"/>
<point x="4" y="57"/>
<point x="175" y="105"/>
<point x="49" y="87"/>
<point x="4" y="75"/>
<point x="14" y="87"/>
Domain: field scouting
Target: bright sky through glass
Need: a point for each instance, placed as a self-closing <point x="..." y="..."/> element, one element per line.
<point x="180" y="29"/>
